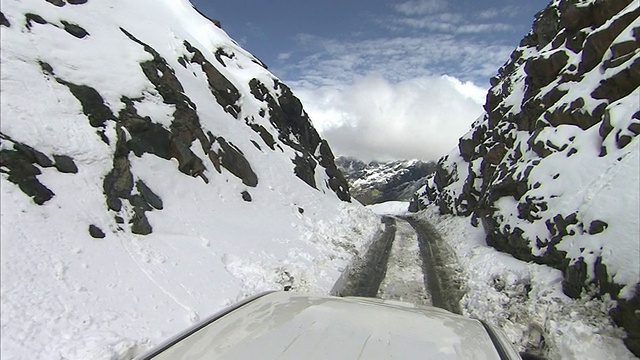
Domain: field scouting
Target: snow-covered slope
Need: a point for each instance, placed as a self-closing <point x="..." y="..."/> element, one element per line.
<point x="551" y="171"/>
<point x="153" y="172"/>
<point x="378" y="182"/>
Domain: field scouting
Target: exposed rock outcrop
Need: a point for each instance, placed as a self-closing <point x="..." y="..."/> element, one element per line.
<point x="23" y="164"/>
<point x="198" y="148"/>
<point x="551" y="170"/>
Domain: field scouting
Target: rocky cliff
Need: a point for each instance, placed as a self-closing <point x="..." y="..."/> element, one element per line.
<point x="377" y="182"/>
<point x="551" y="170"/>
<point x="185" y="135"/>
<point x="152" y="173"/>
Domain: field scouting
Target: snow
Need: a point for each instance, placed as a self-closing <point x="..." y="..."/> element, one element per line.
<point x="593" y="177"/>
<point x="525" y="300"/>
<point x="603" y="189"/>
<point x="390" y="208"/>
<point x="66" y="295"/>
<point x="381" y="173"/>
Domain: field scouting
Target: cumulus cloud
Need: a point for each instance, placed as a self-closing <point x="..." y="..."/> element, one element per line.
<point x="409" y="108"/>
<point x="375" y="119"/>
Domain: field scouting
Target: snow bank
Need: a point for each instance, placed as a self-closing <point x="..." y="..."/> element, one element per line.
<point x="390" y="208"/>
<point x="526" y="301"/>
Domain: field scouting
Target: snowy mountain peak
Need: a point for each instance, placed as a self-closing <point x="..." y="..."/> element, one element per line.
<point x="378" y="182"/>
<point x="551" y="170"/>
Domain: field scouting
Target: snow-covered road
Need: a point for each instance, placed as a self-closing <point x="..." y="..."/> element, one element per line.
<point x="405" y="279"/>
<point x="364" y="276"/>
<point x="408" y="262"/>
<point x="524" y="300"/>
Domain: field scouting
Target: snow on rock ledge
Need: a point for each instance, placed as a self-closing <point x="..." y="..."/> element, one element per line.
<point x="153" y="172"/>
<point x="551" y="170"/>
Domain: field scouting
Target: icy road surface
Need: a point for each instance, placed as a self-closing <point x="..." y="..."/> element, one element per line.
<point x="407" y="262"/>
<point x="405" y="279"/>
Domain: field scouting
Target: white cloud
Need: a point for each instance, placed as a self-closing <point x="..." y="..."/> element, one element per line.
<point x="450" y="23"/>
<point x="483" y="28"/>
<point x="376" y="119"/>
<point x="284" y="56"/>
<point x="468" y="89"/>
<point x="421" y="7"/>
<point x="330" y="61"/>
<point x="409" y="108"/>
<point x="488" y="14"/>
<point x="508" y="11"/>
<point x="433" y="15"/>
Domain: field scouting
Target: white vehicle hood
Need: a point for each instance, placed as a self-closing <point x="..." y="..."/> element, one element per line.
<point x="289" y="326"/>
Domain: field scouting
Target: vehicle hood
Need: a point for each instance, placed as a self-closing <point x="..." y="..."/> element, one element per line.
<point x="290" y="326"/>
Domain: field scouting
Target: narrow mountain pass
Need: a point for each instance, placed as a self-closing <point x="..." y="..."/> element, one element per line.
<point x="408" y="261"/>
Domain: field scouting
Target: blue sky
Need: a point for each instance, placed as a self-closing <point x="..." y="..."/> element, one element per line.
<point x="382" y="79"/>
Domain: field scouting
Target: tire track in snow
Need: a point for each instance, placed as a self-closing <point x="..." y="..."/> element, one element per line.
<point x="363" y="278"/>
<point x="405" y="279"/>
<point x="440" y="266"/>
<point x="408" y="261"/>
<point x="138" y="250"/>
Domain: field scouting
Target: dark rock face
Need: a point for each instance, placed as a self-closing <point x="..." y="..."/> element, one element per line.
<point x="58" y="3"/>
<point x="33" y="18"/>
<point x="71" y="28"/>
<point x="231" y="158"/>
<point x="222" y="89"/>
<point x="337" y="181"/>
<point x="65" y="164"/>
<point x="92" y="103"/>
<point x="554" y="112"/>
<point x="20" y="165"/>
<point x="305" y="169"/>
<point x="23" y="164"/>
<point x="130" y="134"/>
<point x="96" y="232"/>
<point x="139" y="222"/>
<point x="149" y="196"/>
<point x="377" y="182"/>
<point x="61" y="3"/>
<point x="295" y="131"/>
<point x="626" y="315"/>
<point x="4" y="21"/>
<point x="74" y="29"/>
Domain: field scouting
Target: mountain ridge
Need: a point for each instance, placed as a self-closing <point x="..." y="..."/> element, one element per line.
<point x="377" y="182"/>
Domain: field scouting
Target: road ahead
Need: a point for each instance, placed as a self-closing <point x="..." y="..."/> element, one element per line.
<point x="408" y="262"/>
<point x="405" y="278"/>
